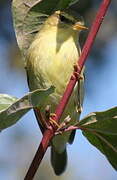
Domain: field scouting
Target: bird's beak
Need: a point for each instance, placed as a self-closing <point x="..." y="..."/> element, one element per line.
<point x="78" y="26"/>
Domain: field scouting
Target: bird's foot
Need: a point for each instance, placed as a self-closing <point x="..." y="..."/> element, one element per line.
<point x="76" y="74"/>
<point x="50" y="117"/>
<point x="52" y="121"/>
<point x="60" y="127"/>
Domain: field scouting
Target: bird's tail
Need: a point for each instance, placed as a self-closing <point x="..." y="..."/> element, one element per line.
<point x="58" y="161"/>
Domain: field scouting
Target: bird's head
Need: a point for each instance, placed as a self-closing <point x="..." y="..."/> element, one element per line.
<point x="66" y="19"/>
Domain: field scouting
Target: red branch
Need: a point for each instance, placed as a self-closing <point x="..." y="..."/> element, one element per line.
<point x="48" y="134"/>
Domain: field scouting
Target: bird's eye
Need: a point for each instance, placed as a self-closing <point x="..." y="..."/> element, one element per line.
<point x="63" y="18"/>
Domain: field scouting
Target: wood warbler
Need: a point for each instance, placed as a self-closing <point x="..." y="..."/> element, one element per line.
<point x="50" y="61"/>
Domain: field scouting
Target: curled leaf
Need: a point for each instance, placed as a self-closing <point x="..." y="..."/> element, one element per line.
<point x="12" y="109"/>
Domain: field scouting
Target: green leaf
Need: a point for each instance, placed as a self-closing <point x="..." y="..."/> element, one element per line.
<point x="104" y="122"/>
<point x="28" y="16"/>
<point x="12" y="109"/>
<point x="65" y="4"/>
<point x="6" y="100"/>
<point x="100" y="128"/>
<point x="107" y="144"/>
<point x="25" y="24"/>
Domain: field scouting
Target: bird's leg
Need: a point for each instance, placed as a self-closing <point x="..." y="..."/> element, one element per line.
<point x="50" y="117"/>
<point x="76" y="73"/>
<point x="60" y="126"/>
<point x="79" y="95"/>
<point x="40" y="118"/>
<point x="52" y="121"/>
<point x="79" y="77"/>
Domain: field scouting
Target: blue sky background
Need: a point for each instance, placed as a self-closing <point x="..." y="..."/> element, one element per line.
<point x="18" y="144"/>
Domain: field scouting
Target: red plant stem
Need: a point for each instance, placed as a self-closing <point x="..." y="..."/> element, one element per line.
<point x="61" y="106"/>
<point x="39" y="154"/>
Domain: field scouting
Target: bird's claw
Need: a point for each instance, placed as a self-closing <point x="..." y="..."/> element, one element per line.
<point x="76" y="73"/>
<point x="52" y="121"/>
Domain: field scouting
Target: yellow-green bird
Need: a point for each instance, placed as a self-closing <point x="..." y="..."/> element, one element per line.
<point x="50" y="61"/>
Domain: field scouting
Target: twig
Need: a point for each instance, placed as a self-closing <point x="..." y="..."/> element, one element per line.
<point x="61" y="106"/>
<point x="39" y="154"/>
